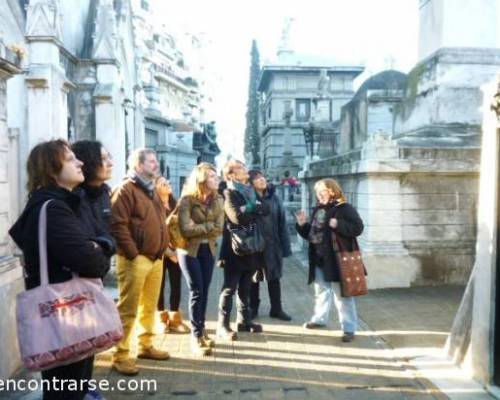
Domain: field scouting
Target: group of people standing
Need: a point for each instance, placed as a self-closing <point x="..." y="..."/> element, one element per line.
<point x="154" y="236"/>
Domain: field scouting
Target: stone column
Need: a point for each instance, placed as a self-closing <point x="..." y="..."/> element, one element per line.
<point x="109" y="100"/>
<point x="11" y="277"/>
<point x="46" y="80"/>
<point x="110" y="117"/>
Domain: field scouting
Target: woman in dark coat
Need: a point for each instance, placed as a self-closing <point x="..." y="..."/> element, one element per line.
<point x="332" y="215"/>
<point x="53" y="174"/>
<point x="274" y="229"/>
<point x="97" y="169"/>
<point x="95" y="207"/>
<point x="241" y="208"/>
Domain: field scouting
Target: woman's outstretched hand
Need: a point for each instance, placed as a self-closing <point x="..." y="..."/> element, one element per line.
<point x="301" y="217"/>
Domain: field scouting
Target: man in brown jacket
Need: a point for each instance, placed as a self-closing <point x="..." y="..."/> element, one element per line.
<point x="138" y="225"/>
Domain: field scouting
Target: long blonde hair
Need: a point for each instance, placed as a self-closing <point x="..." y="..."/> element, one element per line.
<point x="333" y="187"/>
<point x="196" y="181"/>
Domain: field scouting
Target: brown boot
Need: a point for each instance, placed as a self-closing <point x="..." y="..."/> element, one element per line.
<point x="125" y="367"/>
<point x="199" y="347"/>
<point x="152" y="353"/>
<point x="176" y="324"/>
<point x="164" y="317"/>
<point x="207" y="339"/>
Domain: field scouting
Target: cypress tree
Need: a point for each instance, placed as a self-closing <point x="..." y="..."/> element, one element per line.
<point x="252" y="137"/>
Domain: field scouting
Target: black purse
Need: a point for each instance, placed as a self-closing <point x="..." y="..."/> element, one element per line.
<point x="246" y="240"/>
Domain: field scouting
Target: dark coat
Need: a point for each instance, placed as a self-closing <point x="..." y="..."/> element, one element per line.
<point x="68" y="242"/>
<point x="233" y="200"/>
<point x="99" y="202"/>
<point x="349" y="227"/>
<point x="95" y="214"/>
<point x="274" y="229"/>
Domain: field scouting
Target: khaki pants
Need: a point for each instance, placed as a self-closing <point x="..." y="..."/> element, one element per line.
<point x="139" y="282"/>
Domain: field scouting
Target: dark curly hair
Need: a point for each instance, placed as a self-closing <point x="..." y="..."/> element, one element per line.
<point x="88" y="152"/>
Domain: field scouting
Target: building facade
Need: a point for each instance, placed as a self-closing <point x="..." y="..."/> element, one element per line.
<point x="295" y="92"/>
<point x="176" y="94"/>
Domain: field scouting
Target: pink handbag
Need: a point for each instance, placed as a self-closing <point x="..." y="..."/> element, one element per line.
<point x="61" y="323"/>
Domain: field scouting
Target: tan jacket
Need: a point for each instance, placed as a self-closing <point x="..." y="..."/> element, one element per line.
<point x="138" y="222"/>
<point x="199" y="223"/>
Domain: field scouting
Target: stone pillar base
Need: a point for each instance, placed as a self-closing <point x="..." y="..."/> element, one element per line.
<point x="11" y="283"/>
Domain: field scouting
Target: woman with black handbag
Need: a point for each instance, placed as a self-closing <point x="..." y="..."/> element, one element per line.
<point x="241" y="249"/>
<point x="332" y="215"/>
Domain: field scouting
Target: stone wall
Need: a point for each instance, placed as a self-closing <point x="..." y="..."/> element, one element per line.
<point x="11" y="279"/>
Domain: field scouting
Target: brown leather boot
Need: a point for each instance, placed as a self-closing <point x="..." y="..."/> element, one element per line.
<point x="125" y="367"/>
<point x="176" y="324"/>
<point x="152" y="353"/>
<point x="207" y="339"/>
<point x="164" y="317"/>
<point x="199" y="347"/>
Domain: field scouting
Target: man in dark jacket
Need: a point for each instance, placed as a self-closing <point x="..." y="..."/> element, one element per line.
<point x="138" y="225"/>
<point x="274" y="229"/>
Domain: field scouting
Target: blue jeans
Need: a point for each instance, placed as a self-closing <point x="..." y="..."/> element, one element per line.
<point x="198" y="274"/>
<point x="324" y="293"/>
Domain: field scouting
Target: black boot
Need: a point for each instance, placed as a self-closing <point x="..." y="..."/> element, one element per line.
<point x="280" y="315"/>
<point x="254" y="300"/>
<point x="274" y="287"/>
<point x="224" y="330"/>
<point x="249" y="327"/>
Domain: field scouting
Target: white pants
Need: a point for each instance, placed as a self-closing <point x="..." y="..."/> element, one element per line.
<point x="324" y="293"/>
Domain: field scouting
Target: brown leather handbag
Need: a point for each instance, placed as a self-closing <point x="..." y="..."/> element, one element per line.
<point x="351" y="268"/>
<point x="176" y="240"/>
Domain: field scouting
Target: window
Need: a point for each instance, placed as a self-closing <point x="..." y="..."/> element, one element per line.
<point x="302" y="109"/>
<point x="151" y="138"/>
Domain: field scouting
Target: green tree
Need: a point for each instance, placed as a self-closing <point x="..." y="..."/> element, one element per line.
<point x="252" y="137"/>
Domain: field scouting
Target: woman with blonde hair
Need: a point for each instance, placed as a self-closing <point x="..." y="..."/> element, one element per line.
<point x="331" y="216"/>
<point x="201" y="220"/>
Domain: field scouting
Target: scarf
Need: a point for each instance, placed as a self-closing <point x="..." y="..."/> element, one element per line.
<point x="319" y="222"/>
<point x="247" y="191"/>
<point x="147" y="186"/>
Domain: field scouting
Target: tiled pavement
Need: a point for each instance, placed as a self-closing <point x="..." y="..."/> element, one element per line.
<point x="288" y="362"/>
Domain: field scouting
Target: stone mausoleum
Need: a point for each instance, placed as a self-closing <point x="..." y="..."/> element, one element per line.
<point x="408" y="147"/>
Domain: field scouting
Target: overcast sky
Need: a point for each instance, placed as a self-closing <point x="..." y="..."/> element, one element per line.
<point x="378" y="34"/>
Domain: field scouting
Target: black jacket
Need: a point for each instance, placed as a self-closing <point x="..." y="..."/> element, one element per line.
<point x="274" y="229"/>
<point x="95" y="214"/>
<point x="233" y="200"/>
<point x="69" y="246"/>
<point x="99" y="202"/>
<point x="349" y="227"/>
